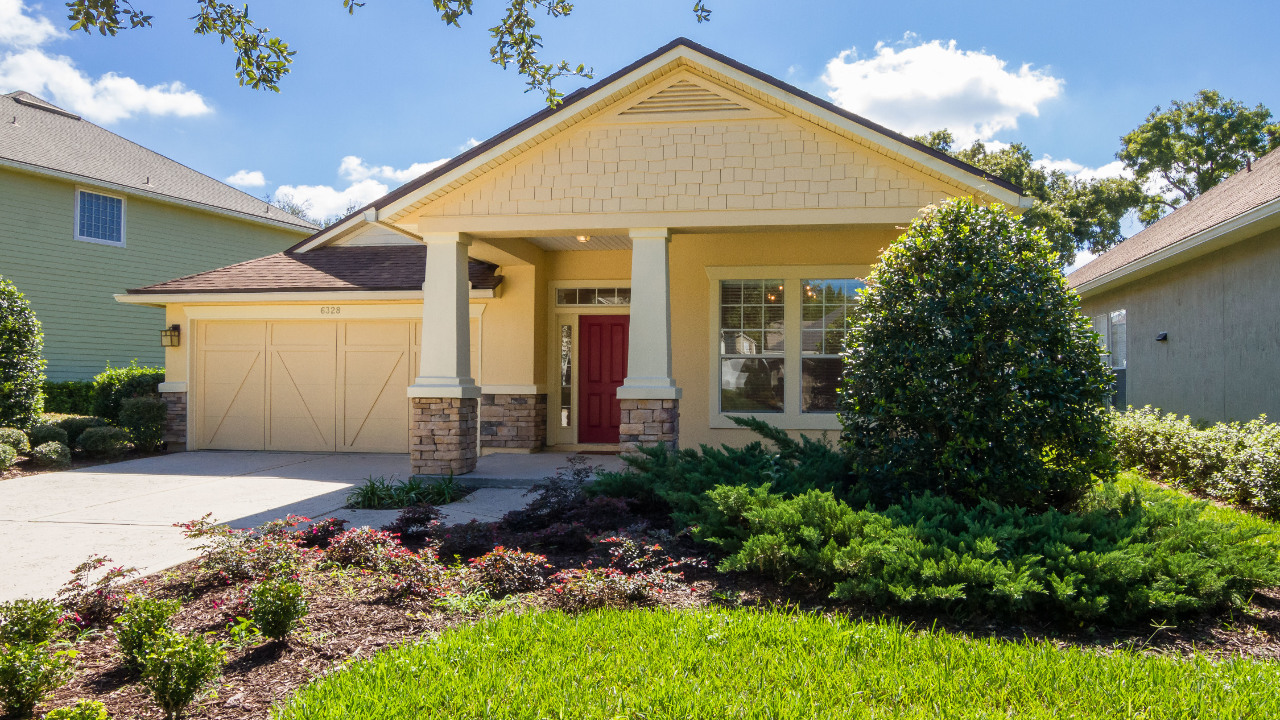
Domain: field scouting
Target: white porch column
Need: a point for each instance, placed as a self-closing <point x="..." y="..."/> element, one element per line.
<point x="444" y="367"/>
<point x="649" y="398"/>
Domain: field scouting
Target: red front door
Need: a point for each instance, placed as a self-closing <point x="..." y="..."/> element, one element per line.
<point x="602" y="366"/>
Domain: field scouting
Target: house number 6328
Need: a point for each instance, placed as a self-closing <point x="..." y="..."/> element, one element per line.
<point x="330" y="310"/>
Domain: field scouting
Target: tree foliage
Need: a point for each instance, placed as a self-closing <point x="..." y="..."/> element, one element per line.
<point x="969" y="369"/>
<point x="21" y="359"/>
<point x="1194" y="145"/>
<point x="1074" y="214"/>
<point x="263" y="59"/>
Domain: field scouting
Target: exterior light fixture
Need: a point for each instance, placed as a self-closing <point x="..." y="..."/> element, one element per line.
<point x="171" y="336"/>
<point x="584" y="238"/>
<point x="1162" y="337"/>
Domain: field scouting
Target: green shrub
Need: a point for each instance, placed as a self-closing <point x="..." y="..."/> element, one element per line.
<point x="179" y="669"/>
<point x="113" y="386"/>
<point x="145" y="419"/>
<point x="103" y="442"/>
<point x="1131" y="556"/>
<point x="138" y="626"/>
<point x="16" y="439"/>
<point x="82" y="710"/>
<point x="29" y="673"/>
<point x="1233" y="462"/>
<point x="51" y="455"/>
<point x="75" y="425"/>
<point x="379" y="493"/>
<point x="42" y="433"/>
<point x="501" y="571"/>
<point x="969" y="369"/>
<point x="71" y="397"/>
<point x="29" y="621"/>
<point x="92" y="598"/>
<point x="276" y="607"/>
<point x="21" y="359"/>
<point x="8" y="456"/>
<point x="238" y="554"/>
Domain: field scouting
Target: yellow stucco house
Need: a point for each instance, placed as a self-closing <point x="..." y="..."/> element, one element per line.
<point x="673" y="245"/>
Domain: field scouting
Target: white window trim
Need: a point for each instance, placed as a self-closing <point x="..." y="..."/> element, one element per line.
<point x="124" y="213"/>
<point x="792" y="276"/>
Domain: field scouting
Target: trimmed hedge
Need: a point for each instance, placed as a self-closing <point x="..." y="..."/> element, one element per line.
<point x="145" y="419"/>
<point x="16" y="439"/>
<point x="72" y="397"/>
<point x="74" y="425"/>
<point x="45" y="432"/>
<point x="21" y="359"/>
<point x="103" y="442"/>
<point x="113" y="386"/>
<point x="7" y="457"/>
<point x="1235" y="462"/>
<point x="51" y="455"/>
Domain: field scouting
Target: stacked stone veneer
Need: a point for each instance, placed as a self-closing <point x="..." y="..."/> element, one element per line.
<point x="513" y="422"/>
<point x="175" y="430"/>
<point x="442" y="438"/>
<point x="649" y="422"/>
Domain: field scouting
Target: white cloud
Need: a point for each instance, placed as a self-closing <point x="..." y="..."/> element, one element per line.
<point x="110" y="97"/>
<point x="324" y="201"/>
<point x="354" y="169"/>
<point x="1113" y="169"/>
<point x="914" y="87"/>
<point x="247" y="178"/>
<point x="470" y="143"/>
<point x="17" y="29"/>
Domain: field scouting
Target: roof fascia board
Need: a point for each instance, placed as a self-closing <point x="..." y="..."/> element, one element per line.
<point x="1228" y="232"/>
<point x="301" y="296"/>
<point x="158" y="197"/>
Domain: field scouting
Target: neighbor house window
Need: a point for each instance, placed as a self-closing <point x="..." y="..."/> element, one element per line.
<point x="99" y="218"/>
<point x="778" y="341"/>
<point x="1113" y="338"/>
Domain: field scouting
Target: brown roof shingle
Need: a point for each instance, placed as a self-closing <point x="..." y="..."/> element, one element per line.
<point x="385" y="267"/>
<point x="1234" y="196"/>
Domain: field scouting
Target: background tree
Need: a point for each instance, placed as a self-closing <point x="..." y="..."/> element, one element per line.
<point x="969" y="370"/>
<point x="1195" y="145"/>
<point x="1074" y="214"/>
<point x="263" y="59"/>
<point x="21" y="360"/>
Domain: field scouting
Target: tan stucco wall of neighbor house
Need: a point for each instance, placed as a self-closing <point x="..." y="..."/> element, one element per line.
<point x="1222" y="314"/>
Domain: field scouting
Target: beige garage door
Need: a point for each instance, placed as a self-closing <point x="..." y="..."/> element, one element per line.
<point x="299" y="385"/>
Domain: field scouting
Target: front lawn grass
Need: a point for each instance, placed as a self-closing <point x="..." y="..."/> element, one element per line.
<point x="751" y="664"/>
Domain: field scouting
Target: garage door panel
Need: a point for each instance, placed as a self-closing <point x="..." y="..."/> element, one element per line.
<point x="375" y="414"/>
<point x="232" y="378"/>
<point x="302" y="407"/>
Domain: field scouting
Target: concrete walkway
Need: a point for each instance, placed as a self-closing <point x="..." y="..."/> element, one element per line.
<point x="51" y="522"/>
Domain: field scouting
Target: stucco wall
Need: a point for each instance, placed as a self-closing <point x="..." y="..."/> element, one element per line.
<point x="70" y="283"/>
<point x="1222" y="314"/>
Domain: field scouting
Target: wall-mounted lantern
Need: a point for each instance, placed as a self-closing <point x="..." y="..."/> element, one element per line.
<point x="171" y="336"/>
<point x="1162" y="337"/>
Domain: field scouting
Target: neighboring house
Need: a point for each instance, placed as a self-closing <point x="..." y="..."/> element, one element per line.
<point x="673" y="246"/>
<point x="84" y="214"/>
<point x="1189" y="308"/>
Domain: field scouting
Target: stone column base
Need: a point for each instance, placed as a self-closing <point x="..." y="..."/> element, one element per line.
<point x="513" y="421"/>
<point x="175" y="430"/>
<point x="649" y="422"/>
<point x="442" y="435"/>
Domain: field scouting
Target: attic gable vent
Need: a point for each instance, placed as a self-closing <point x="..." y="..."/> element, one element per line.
<point x="683" y="97"/>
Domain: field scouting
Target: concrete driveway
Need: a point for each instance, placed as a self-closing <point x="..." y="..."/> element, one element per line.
<point x="51" y="522"/>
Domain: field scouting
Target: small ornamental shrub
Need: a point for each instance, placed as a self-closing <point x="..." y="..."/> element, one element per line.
<point x="235" y="554"/>
<point x="29" y="673"/>
<point x="72" y="397"/>
<point x="103" y="442"/>
<point x="582" y="589"/>
<point x="179" y="669"/>
<point x="113" y="386"/>
<point x="75" y="425"/>
<point x="140" y="624"/>
<point x="93" y="602"/>
<point x="42" y="433"/>
<point x="51" y="455"/>
<point x="503" y="572"/>
<point x="363" y="547"/>
<point x="29" y="621"/>
<point x="413" y="574"/>
<point x="82" y="710"/>
<point x="276" y="607"/>
<point x="378" y="493"/>
<point x="145" y="418"/>
<point x="555" y="496"/>
<point x="465" y="541"/>
<point x="8" y="456"/>
<point x="320" y="533"/>
<point x="970" y="370"/>
<point x="415" y="523"/>
<point x="21" y="359"/>
<point x="1234" y="462"/>
<point x="16" y="439"/>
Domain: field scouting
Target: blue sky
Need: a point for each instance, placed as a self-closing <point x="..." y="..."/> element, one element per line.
<point x="374" y="98"/>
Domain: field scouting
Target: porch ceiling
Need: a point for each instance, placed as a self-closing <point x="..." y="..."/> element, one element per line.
<point x="564" y="243"/>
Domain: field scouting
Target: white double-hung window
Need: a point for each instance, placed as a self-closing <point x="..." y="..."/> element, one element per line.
<point x="99" y="218"/>
<point x="777" y="335"/>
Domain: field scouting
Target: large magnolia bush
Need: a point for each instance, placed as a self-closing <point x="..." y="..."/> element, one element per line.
<point x="21" y="359"/>
<point x="970" y="370"/>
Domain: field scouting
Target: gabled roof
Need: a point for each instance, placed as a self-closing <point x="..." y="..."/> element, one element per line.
<point x="349" y="268"/>
<point x="578" y="100"/>
<point x="37" y="136"/>
<point x="1210" y="217"/>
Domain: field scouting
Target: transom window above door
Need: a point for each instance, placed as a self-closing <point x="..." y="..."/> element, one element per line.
<point x="593" y="296"/>
<point x="777" y="344"/>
